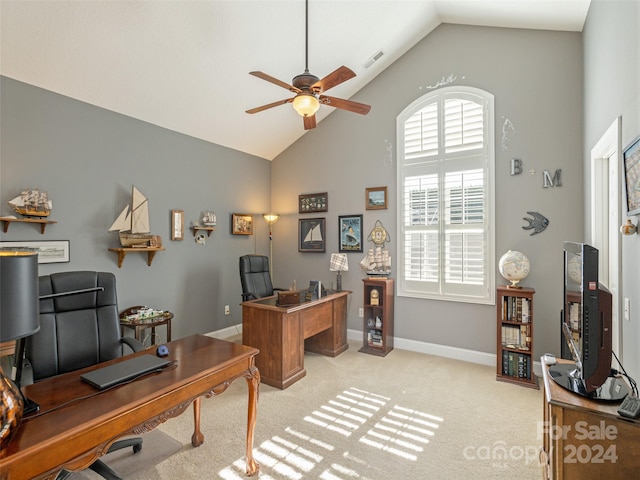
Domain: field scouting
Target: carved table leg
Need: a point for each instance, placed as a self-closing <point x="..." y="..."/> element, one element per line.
<point x="253" y="382"/>
<point x="197" y="438"/>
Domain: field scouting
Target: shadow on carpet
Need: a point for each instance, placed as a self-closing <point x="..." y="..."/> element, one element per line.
<point x="156" y="447"/>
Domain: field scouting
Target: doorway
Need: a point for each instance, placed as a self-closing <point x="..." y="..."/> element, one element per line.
<point x="605" y="219"/>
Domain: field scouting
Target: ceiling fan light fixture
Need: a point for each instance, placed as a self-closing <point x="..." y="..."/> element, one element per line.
<point x="306" y="104"/>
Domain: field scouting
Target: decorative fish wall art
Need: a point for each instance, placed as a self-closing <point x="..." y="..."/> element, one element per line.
<point x="538" y="222"/>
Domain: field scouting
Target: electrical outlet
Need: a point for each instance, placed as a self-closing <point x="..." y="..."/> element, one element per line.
<point x="226" y="310"/>
<point x="361" y="312"/>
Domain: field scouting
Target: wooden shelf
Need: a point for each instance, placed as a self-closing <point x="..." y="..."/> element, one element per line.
<point x="206" y="229"/>
<point x="122" y="252"/>
<point x="43" y="223"/>
<point x="378" y="337"/>
<point x="514" y="363"/>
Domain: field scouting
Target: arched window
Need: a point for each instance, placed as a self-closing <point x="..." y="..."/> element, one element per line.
<point x="446" y="196"/>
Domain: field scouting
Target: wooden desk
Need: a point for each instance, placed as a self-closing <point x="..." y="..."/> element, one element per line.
<point x="282" y="334"/>
<point x="72" y="437"/>
<point x="583" y="439"/>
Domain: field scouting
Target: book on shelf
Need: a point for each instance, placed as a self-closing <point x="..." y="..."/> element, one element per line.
<point x="516" y="309"/>
<point x="516" y="365"/>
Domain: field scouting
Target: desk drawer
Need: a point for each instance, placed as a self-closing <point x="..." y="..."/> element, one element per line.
<point x="318" y="319"/>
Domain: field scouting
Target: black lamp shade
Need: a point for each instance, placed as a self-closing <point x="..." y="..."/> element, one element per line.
<point x="19" y="307"/>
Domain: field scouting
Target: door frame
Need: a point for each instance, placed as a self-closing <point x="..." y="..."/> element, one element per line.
<point x="605" y="218"/>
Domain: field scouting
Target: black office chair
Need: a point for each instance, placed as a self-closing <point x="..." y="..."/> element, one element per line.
<point x="77" y="330"/>
<point x="255" y="277"/>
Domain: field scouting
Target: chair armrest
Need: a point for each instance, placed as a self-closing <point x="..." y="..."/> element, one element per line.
<point x="280" y="289"/>
<point x="133" y="344"/>
<point x="248" y="296"/>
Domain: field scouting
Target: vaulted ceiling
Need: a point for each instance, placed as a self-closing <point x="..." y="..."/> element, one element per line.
<point x="184" y="65"/>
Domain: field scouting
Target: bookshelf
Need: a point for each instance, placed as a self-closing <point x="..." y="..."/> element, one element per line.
<point x="514" y="352"/>
<point x="377" y="323"/>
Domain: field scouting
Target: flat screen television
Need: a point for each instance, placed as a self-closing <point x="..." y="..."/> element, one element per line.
<point x="586" y="329"/>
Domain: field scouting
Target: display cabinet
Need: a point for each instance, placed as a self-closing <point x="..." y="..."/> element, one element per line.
<point x="378" y="316"/>
<point x="514" y="351"/>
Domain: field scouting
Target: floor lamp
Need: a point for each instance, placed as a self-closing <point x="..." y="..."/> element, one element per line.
<point x="271" y="218"/>
<point x="19" y="318"/>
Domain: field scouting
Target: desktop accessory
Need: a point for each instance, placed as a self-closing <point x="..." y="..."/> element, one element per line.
<point x="162" y="351"/>
<point x="630" y="407"/>
<point x="549" y="359"/>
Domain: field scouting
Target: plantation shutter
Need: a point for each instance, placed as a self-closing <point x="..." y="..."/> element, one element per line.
<point x="445" y="191"/>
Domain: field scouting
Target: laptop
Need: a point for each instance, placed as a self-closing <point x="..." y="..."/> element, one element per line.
<point x="117" y="373"/>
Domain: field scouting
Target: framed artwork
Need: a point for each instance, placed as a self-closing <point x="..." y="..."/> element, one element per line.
<point x="313" y="203"/>
<point x="177" y="224"/>
<point x="311" y="235"/>
<point x="376" y="198"/>
<point x="631" y="159"/>
<point x="56" y="251"/>
<point x="350" y="231"/>
<point x="241" y="224"/>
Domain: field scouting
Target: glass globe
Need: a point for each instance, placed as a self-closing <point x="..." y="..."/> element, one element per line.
<point x="514" y="266"/>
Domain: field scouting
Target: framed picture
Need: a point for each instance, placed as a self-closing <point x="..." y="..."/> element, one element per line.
<point x="55" y="251"/>
<point x="376" y="198"/>
<point x="350" y="231"/>
<point x="631" y="159"/>
<point x="177" y="224"/>
<point x="241" y="224"/>
<point x="311" y="235"/>
<point x="313" y="202"/>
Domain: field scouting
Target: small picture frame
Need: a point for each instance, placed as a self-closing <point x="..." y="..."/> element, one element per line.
<point x="52" y="251"/>
<point x="177" y="224"/>
<point x="241" y="224"/>
<point x="631" y="160"/>
<point x="313" y="203"/>
<point x="350" y="233"/>
<point x="376" y="198"/>
<point x="311" y="235"/>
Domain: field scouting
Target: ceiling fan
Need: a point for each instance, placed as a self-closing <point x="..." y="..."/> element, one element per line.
<point x="309" y="89"/>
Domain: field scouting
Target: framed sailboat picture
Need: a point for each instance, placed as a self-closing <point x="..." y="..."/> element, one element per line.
<point x="311" y="234"/>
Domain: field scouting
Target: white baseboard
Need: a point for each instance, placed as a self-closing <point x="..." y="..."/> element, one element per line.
<point x="455" y="353"/>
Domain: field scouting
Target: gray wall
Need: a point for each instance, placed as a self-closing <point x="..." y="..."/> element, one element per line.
<point x="612" y="89"/>
<point x="536" y="78"/>
<point x="88" y="158"/>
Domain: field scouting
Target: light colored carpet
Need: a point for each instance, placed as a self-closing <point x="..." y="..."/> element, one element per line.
<point x="357" y="416"/>
<point x="156" y="446"/>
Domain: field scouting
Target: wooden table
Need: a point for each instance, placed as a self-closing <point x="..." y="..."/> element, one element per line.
<point x="583" y="439"/>
<point x="73" y="436"/>
<point x="140" y="325"/>
<point x="283" y="333"/>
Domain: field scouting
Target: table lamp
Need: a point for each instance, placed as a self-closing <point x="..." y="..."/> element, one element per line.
<point x="19" y="318"/>
<point x="339" y="263"/>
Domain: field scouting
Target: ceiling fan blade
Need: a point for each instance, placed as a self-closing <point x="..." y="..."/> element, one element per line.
<point x="349" y="105"/>
<point x="339" y="75"/>
<point x="270" y="105"/>
<point x="309" y="122"/>
<point x="275" y="81"/>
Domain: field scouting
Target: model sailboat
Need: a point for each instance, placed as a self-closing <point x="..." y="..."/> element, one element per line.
<point x="133" y="225"/>
<point x="32" y="203"/>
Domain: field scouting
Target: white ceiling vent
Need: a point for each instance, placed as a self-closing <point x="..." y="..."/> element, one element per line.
<point x="373" y="59"/>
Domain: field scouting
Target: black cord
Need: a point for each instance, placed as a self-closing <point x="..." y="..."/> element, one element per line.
<point x="169" y="366"/>
<point x="632" y="382"/>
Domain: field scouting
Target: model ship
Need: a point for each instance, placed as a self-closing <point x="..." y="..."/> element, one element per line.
<point x="133" y="225"/>
<point x="377" y="262"/>
<point x="32" y="203"/>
